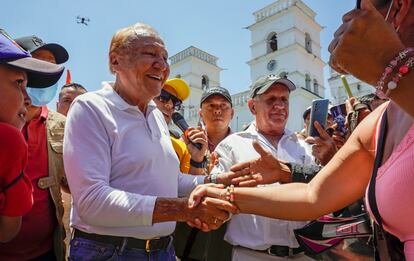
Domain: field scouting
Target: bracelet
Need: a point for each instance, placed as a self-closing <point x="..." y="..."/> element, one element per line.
<point x="230" y="193"/>
<point x="389" y="69"/>
<point x="199" y="165"/>
<point x="402" y="71"/>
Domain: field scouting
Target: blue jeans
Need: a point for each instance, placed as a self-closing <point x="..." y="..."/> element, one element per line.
<point x="84" y="250"/>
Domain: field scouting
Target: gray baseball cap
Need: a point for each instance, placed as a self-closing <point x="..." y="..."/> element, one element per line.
<point x="262" y="84"/>
<point x="216" y="91"/>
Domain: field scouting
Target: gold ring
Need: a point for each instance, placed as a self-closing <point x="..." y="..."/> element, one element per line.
<point x="215" y="221"/>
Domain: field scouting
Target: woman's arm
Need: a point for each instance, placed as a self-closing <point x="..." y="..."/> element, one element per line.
<point x="337" y="185"/>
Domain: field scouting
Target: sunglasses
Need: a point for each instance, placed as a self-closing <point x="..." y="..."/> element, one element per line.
<point x="166" y="96"/>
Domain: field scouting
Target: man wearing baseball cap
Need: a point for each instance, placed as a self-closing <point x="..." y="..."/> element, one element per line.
<point x="216" y="112"/>
<point x="42" y="232"/>
<point x="17" y="68"/>
<point x="254" y="237"/>
<point x="174" y="92"/>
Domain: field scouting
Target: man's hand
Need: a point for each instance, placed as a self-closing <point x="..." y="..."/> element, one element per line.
<point x="208" y="210"/>
<point x="196" y="135"/>
<point x="214" y="160"/>
<point x="264" y="170"/>
<point x="364" y="44"/>
<point x="338" y="139"/>
<point x="324" y="147"/>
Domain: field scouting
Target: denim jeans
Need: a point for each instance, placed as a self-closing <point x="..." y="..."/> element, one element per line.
<point x="85" y="250"/>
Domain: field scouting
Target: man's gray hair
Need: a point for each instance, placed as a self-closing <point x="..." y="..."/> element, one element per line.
<point x="123" y="38"/>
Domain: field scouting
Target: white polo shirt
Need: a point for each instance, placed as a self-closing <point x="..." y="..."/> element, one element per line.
<point x="253" y="231"/>
<point x="118" y="161"/>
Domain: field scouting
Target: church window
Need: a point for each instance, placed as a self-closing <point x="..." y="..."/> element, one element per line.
<point x="315" y="87"/>
<point x="272" y="43"/>
<point x="204" y="82"/>
<point x="307" y="82"/>
<point x="308" y="43"/>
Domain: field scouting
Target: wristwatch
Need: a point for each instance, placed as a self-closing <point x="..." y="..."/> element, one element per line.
<point x="303" y="173"/>
<point x="213" y="178"/>
<point x="200" y="165"/>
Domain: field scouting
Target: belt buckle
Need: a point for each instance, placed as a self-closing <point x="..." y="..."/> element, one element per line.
<point x="147" y="245"/>
<point x="290" y="252"/>
<point x="269" y="251"/>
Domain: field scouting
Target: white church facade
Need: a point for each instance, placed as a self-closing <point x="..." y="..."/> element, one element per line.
<point x="285" y="40"/>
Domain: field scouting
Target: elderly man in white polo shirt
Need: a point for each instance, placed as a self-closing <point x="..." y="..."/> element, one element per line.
<point x="256" y="237"/>
<point x="121" y="166"/>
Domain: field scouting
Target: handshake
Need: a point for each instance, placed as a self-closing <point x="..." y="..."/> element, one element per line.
<point x="208" y="211"/>
<point x="210" y="205"/>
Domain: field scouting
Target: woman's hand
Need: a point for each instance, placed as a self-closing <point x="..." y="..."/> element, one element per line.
<point x="364" y="44"/>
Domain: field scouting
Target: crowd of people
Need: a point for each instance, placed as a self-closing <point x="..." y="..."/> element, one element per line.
<point x="107" y="177"/>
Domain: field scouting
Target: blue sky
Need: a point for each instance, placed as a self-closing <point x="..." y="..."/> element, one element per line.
<point x="213" y="26"/>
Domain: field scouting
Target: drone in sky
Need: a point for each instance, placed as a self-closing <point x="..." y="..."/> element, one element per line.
<point x="82" y="20"/>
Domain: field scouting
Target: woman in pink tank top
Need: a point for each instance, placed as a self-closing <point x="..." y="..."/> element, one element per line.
<point x="368" y="41"/>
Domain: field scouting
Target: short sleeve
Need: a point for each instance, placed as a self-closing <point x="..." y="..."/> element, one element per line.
<point x="16" y="197"/>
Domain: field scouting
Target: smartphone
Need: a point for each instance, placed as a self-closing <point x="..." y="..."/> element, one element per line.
<point x="319" y="112"/>
<point x="339" y="115"/>
<point x="358" y="4"/>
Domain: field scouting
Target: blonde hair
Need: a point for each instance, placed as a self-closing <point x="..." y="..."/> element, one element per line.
<point x="124" y="37"/>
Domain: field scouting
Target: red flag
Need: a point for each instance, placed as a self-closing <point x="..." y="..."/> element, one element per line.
<point x="68" y="77"/>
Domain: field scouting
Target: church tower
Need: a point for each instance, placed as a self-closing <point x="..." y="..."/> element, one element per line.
<point x="285" y="40"/>
<point x="199" y="69"/>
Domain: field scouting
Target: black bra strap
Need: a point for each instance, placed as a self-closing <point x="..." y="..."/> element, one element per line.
<point x="378" y="160"/>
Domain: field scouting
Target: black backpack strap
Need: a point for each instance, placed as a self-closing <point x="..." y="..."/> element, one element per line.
<point x="14" y="181"/>
<point x="378" y="161"/>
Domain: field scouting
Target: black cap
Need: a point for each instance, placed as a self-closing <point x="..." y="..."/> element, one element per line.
<point x="33" y="43"/>
<point x="306" y="112"/>
<point x="40" y="74"/>
<point x="216" y="91"/>
<point x="262" y="84"/>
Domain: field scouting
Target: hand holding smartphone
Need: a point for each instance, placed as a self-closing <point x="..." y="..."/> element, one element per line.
<point x="339" y="115"/>
<point x="319" y="113"/>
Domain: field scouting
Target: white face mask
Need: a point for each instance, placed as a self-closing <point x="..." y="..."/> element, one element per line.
<point x="388" y="14"/>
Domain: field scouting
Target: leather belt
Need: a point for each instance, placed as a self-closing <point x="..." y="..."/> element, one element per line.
<point x="283" y="251"/>
<point x="149" y="245"/>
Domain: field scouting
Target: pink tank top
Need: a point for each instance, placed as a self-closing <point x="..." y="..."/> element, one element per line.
<point x="395" y="192"/>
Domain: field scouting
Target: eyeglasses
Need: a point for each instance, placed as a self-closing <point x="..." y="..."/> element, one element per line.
<point x="166" y="96"/>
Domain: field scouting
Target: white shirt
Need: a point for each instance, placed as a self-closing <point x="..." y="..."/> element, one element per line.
<point x="117" y="162"/>
<point x="252" y="231"/>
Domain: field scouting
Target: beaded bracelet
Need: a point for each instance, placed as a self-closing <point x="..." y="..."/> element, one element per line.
<point x="230" y="193"/>
<point x="391" y="66"/>
<point x="402" y="71"/>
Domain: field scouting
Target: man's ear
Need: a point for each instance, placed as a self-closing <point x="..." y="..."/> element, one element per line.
<point x="401" y="11"/>
<point x="252" y="106"/>
<point x="113" y="61"/>
<point x="232" y="113"/>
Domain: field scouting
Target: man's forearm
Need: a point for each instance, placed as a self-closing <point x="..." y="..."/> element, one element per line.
<point x="170" y="209"/>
